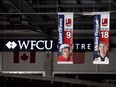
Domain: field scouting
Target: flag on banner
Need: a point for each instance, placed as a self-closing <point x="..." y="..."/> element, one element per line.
<point x="101" y="38"/>
<point x="65" y="40"/>
<point x="24" y="57"/>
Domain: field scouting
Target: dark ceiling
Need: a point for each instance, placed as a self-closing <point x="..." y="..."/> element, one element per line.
<point x="38" y="18"/>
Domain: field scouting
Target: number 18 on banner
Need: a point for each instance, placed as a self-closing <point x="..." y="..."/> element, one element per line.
<point x="104" y="34"/>
<point x="102" y="53"/>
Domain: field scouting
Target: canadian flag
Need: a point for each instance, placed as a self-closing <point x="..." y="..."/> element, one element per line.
<point x="24" y="57"/>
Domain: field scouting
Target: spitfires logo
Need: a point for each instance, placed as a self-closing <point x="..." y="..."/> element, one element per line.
<point x="68" y="22"/>
<point x="104" y="22"/>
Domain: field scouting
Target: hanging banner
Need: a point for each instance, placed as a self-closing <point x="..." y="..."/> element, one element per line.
<point x="65" y="40"/>
<point x="78" y="57"/>
<point x="101" y="38"/>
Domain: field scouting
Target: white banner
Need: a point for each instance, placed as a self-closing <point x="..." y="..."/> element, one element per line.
<point x="101" y="38"/>
<point x="65" y="40"/>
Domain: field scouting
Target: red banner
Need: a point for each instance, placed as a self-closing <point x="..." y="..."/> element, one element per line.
<point x="65" y="40"/>
<point x="101" y="50"/>
<point x="78" y="57"/>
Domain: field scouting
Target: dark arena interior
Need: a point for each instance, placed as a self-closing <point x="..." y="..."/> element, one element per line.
<point x="37" y="24"/>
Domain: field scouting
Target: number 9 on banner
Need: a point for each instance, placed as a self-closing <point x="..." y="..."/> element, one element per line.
<point x="68" y="34"/>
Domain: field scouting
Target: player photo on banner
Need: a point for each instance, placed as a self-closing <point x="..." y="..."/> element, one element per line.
<point x="101" y="38"/>
<point x="65" y="40"/>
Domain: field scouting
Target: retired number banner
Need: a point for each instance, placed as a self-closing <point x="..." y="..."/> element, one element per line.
<point x="101" y="38"/>
<point x="65" y="40"/>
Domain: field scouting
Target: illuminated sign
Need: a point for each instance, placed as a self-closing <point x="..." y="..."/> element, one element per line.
<point x="42" y="45"/>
